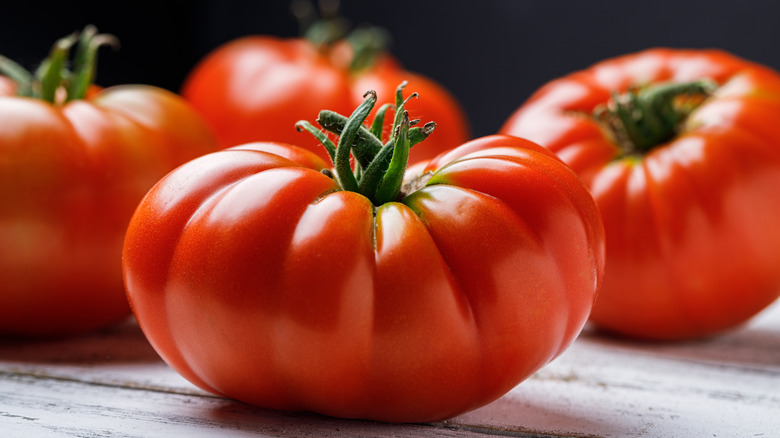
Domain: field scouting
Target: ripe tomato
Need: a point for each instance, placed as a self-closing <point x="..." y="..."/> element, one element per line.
<point x="71" y="174"/>
<point x="690" y="205"/>
<point x="257" y="276"/>
<point x="256" y="88"/>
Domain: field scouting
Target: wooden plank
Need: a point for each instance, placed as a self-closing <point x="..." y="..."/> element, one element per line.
<point x="35" y="406"/>
<point x="725" y="386"/>
<point x="113" y="383"/>
<point x="119" y="356"/>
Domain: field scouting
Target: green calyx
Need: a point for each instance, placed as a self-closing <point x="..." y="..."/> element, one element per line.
<point x="367" y="44"/>
<point x="55" y="81"/>
<point x="322" y="28"/>
<point x="325" y="28"/>
<point x="641" y="119"/>
<point x="377" y="170"/>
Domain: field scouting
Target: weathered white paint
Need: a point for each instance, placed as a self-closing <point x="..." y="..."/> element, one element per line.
<point x="113" y="384"/>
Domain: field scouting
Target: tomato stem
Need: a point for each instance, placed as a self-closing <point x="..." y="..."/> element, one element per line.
<point x="321" y="28"/>
<point x="53" y="81"/>
<point x="378" y="125"/>
<point x="367" y="44"/>
<point x="372" y="176"/>
<point x="85" y="62"/>
<point x="390" y="186"/>
<point x="341" y="163"/>
<point x="303" y="125"/>
<point x="366" y="146"/>
<point x="375" y="172"/>
<point x="642" y="119"/>
<point x="19" y="75"/>
<point x="379" y="171"/>
<point x="52" y="71"/>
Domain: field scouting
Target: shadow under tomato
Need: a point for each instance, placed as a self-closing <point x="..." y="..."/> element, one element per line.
<point x="750" y="346"/>
<point x="527" y="418"/>
<point x="241" y="416"/>
<point x="121" y="343"/>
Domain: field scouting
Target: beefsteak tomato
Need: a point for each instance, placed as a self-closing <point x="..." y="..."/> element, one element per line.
<point x="262" y="274"/>
<point x="681" y="151"/>
<point x="256" y="88"/>
<point x="74" y="163"/>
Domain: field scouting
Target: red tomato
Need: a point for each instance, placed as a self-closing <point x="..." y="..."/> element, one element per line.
<point x="71" y="175"/>
<point x="257" y="277"/>
<point x="256" y="88"/>
<point x="691" y="217"/>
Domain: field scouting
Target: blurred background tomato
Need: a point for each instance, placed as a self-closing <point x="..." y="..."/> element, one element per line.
<point x="492" y="54"/>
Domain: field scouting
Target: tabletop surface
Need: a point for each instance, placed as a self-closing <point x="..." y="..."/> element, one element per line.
<point x="113" y="384"/>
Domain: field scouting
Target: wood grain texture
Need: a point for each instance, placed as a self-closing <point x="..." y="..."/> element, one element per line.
<point x="112" y="383"/>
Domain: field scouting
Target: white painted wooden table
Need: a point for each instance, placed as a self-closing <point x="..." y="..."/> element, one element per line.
<point x="112" y="384"/>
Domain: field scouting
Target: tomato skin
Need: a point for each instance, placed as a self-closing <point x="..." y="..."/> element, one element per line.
<point x="256" y="278"/>
<point x="691" y="225"/>
<point x="256" y="88"/>
<point x="261" y="86"/>
<point x="70" y="178"/>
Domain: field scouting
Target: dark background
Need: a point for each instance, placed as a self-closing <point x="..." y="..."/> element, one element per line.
<point x="492" y="54"/>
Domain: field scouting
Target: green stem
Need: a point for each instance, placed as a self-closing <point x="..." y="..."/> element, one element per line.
<point x="368" y="43"/>
<point x="400" y="104"/>
<point x="381" y="178"/>
<point x="367" y="145"/>
<point x="303" y="125"/>
<point x="53" y="81"/>
<point x="85" y="62"/>
<point x="321" y="28"/>
<point x="642" y="120"/>
<point x="341" y="163"/>
<point x="378" y="125"/>
<point x="390" y="186"/>
<point x="418" y="134"/>
<point x="19" y="75"/>
<point x="374" y="172"/>
<point x="51" y="73"/>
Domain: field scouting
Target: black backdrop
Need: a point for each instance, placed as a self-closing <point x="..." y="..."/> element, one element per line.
<point x="491" y="54"/>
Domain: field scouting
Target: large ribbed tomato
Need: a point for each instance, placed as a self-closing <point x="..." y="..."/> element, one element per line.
<point x="256" y="88"/>
<point x="256" y="275"/>
<point x="685" y="167"/>
<point x="72" y="170"/>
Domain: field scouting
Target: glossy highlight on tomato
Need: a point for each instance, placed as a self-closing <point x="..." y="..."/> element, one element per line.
<point x="688" y="194"/>
<point x="257" y="276"/>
